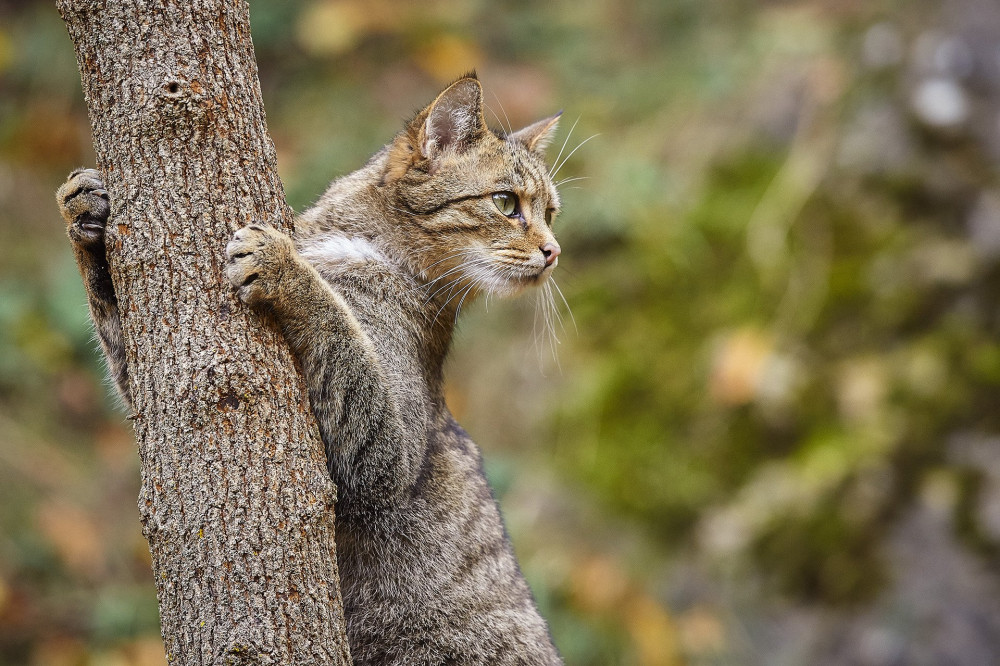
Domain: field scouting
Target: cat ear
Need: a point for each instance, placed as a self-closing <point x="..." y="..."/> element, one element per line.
<point x="453" y="120"/>
<point x="450" y="123"/>
<point x="537" y="136"/>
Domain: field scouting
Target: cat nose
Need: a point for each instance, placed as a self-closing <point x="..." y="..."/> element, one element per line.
<point x="551" y="252"/>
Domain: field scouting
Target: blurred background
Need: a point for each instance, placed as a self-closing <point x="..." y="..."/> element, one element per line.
<point x="768" y="432"/>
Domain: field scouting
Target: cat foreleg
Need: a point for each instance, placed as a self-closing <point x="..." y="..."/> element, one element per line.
<point x="84" y="205"/>
<point x="358" y="418"/>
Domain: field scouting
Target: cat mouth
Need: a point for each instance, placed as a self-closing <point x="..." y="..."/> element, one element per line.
<point x="536" y="278"/>
<point x="511" y="283"/>
<point x="544" y="274"/>
<point x="510" y="276"/>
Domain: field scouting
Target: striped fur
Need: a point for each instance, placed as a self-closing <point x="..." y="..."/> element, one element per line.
<point x="367" y="294"/>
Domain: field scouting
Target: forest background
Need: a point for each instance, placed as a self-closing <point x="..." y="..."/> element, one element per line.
<point x="769" y="432"/>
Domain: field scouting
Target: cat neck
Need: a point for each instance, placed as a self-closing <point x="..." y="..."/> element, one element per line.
<point x="358" y="209"/>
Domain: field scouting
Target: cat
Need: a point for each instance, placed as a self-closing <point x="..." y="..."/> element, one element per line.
<point x="367" y="291"/>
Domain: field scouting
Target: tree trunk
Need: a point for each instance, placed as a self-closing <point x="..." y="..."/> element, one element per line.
<point x="236" y="502"/>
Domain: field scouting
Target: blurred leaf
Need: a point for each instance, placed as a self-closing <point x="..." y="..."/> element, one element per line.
<point x="74" y="535"/>
<point x="447" y="56"/>
<point x="331" y="27"/>
<point x="702" y="632"/>
<point x="60" y="651"/>
<point x="653" y="632"/>
<point x="597" y="585"/>
<point x="737" y="369"/>
<point x="6" y="50"/>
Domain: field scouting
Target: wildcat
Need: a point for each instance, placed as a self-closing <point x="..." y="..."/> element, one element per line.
<point x="367" y="292"/>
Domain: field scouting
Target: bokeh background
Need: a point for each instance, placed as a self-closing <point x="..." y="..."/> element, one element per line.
<point x="769" y="431"/>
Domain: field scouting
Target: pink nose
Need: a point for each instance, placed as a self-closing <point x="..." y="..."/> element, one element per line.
<point x="551" y="252"/>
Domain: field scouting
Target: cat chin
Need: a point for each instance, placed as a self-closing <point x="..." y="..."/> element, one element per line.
<point x="517" y="286"/>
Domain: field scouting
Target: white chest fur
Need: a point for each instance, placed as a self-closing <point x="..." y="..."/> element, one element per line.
<point x="333" y="251"/>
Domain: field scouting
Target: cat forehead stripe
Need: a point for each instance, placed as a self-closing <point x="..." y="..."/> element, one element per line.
<point x="528" y="178"/>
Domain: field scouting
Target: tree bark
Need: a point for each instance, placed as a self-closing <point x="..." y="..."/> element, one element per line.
<point x="236" y="502"/>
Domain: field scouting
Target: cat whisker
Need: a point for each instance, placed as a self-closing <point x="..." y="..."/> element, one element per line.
<point x="566" y="303"/>
<point x="566" y="159"/>
<point x="548" y="321"/>
<point x="541" y="315"/>
<point x="450" y="286"/>
<point x="510" y="129"/>
<point x="461" y="268"/>
<point x="556" y="318"/>
<point x="499" y="122"/>
<point x="458" y="310"/>
<point x="443" y="305"/>
<point x="428" y="297"/>
<point x="534" y="326"/>
<point x="460" y="293"/>
<point x="454" y="255"/>
<point x="565" y="141"/>
<point x="491" y="283"/>
<point x="555" y="309"/>
<point x="543" y="308"/>
<point x="570" y="180"/>
<point x="544" y="325"/>
<point x="474" y="273"/>
<point x="457" y="255"/>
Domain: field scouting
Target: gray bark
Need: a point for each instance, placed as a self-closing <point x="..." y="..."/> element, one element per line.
<point x="235" y="502"/>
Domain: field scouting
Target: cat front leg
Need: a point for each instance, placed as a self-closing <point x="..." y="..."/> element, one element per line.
<point x="85" y="207"/>
<point x="357" y="415"/>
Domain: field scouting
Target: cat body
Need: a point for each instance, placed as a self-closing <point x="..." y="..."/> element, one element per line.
<point x="366" y="292"/>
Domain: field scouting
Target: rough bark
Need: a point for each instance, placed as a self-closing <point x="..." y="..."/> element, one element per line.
<point x="235" y="502"/>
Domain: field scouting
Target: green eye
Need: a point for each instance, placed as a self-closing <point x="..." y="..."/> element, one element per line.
<point x="549" y="214"/>
<point x="506" y="203"/>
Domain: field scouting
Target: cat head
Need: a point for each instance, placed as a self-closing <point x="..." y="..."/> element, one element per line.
<point x="477" y="204"/>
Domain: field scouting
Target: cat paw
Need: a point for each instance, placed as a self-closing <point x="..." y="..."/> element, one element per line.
<point x="84" y="204"/>
<point x="259" y="258"/>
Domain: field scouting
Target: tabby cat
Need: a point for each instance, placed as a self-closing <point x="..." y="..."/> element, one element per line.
<point x="367" y="293"/>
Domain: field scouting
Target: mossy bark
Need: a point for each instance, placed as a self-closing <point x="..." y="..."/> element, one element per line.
<point x="236" y="502"/>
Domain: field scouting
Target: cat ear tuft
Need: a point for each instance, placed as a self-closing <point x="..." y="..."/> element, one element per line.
<point x="453" y="120"/>
<point x="537" y="136"/>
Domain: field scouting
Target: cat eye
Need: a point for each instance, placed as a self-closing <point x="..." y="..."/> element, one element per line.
<point x="506" y="203"/>
<point x="549" y="214"/>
